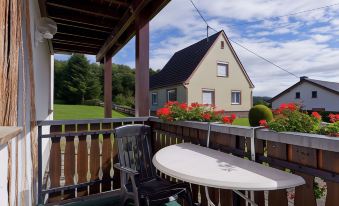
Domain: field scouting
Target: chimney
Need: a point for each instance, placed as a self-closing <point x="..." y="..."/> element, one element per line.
<point x="303" y="77"/>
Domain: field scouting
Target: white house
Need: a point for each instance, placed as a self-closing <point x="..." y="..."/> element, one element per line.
<point x="313" y="95"/>
<point x="207" y="72"/>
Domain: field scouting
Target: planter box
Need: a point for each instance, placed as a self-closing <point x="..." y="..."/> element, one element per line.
<point x="314" y="141"/>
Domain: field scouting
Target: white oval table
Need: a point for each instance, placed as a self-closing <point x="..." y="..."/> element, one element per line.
<point x="211" y="168"/>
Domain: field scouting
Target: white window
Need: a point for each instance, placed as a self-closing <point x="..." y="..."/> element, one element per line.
<point x="208" y="97"/>
<point x="236" y="97"/>
<point x="222" y="69"/>
<point x="172" y="95"/>
<point x="154" y="98"/>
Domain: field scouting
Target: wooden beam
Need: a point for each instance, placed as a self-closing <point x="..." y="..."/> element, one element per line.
<point x="81" y="19"/>
<point x="137" y="7"/>
<point x="142" y="68"/>
<point x="74" y="48"/>
<point x="83" y="26"/>
<point x="117" y="2"/>
<point x="81" y="40"/>
<point x="85" y="7"/>
<point x="123" y="24"/>
<point x="64" y="29"/>
<point x="108" y="86"/>
<point x="65" y="42"/>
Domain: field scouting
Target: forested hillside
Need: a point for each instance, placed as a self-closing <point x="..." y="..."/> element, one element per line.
<point x="77" y="81"/>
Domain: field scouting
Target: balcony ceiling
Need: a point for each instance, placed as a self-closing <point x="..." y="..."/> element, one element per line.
<point x="96" y="26"/>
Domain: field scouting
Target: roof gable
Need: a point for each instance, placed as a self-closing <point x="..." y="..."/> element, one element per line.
<point x="329" y="86"/>
<point x="182" y="64"/>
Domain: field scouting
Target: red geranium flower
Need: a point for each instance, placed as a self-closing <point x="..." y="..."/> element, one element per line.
<point x="226" y="120"/>
<point x="163" y="112"/>
<point x="233" y="116"/>
<point x="206" y="116"/>
<point x="334" y="117"/>
<point x="195" y="104"/>
<point x="263" y="123"/>
<point x="183" y="106"/>
<point x="292" y="106"/>
<point x="316" y="115"/>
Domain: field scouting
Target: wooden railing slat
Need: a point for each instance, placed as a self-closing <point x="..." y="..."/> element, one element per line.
<point x="55" y="166"/>
<point x="69" y="169"/>
<point x="330" y="162"/>
<point x="304" y="195"/>
<point x="82" y="160"/>
<point x="277" y="150"/>
<point x="107" y="158"/>
<point x="95" y="159"/>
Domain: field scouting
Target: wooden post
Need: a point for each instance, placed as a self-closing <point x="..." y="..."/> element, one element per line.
<point x="142" y="68"/>
<point x="108" y="85"/>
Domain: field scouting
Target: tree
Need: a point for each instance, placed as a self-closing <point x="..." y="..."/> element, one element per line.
<point x="80" y="82"/>
<point x="60" y="68"/>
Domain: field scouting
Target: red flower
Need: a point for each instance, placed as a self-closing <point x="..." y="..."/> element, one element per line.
<point x="263" y="123"/>
<point x="194" y="104"/>
<point x="183" y="106"/>
<point x="283" y="106"/>
<point x="334" y="117"/>
<point x="170" y="103"/>
<point x="316" y="115"/>
<point x="163" y="112"/>
<point x="292" y="106"/>
<point x="226" y="120"/>
<point x="233" y="116"/>
<point x="206" y="116"/>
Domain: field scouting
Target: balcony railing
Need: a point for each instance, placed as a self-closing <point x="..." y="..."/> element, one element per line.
<point x="83" y="153"/>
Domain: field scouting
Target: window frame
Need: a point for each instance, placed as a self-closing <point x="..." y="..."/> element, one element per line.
<point x="240" y="97"/>
<point x="222" y="44"/>
<point x="227" y="69"/>
<point x="156" y="94"/>
<point x="212" y="91"/>
<point x="316" y="94"/>
<point x="297" y="96"/>
<point x="167" y="94"/>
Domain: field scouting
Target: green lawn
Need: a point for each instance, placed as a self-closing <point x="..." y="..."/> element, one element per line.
<point x="64" y="112"/>
<point x="241" y="121"/>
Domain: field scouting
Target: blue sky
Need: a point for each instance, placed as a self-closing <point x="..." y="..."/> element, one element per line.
<point x="306" y="44"/>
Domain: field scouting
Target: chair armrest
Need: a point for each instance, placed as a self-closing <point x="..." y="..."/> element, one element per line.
<point x="126" y="169"/>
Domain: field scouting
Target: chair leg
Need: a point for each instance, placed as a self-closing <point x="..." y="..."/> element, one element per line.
<point x="123" y="200"/>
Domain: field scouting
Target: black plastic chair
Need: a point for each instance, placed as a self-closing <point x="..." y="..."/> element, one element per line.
<point x="139" y="180"/>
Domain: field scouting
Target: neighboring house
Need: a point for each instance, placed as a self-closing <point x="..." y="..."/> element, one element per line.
<point x="207" y="72"/>
<point x="312" y="94"/>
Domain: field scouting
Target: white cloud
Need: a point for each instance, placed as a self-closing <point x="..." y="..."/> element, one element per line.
<point x="306" y="51"/>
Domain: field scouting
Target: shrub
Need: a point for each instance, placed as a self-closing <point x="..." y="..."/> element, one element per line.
<point x="92" y="102"/>
<point x="288" y="117"/>
<point x="259" y="112"/>
<point x="330" y="129"/>
<point x="175" y="111"/>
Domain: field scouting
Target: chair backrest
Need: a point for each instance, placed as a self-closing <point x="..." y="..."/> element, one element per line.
<point x="134" y="145"/>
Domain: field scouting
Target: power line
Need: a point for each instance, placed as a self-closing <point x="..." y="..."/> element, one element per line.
<point x="247" y="49"/>
<point x="286" y="15"/>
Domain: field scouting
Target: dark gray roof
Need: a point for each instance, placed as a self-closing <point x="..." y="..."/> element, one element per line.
<point x="182" y="64"/>
<point x="329" y="85"/>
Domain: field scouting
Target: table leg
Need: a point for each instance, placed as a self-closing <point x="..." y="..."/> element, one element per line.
<point x="209" y="201"/>
<point x="246" y="198"/>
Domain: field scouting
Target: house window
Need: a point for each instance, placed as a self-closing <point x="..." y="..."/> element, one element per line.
<point x="222" y="69"/>
<point x="154" y="98"/>
<point x="236" y="97"/>
<point x="172" y="95"/>
<point x="222" y="45"/>
<point x="314" y="94"/>
<point x="208" y="97"/>
<point x="297" y="95"/>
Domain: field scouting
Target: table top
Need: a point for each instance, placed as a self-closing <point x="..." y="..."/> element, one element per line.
<point x="212" y="168"/>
